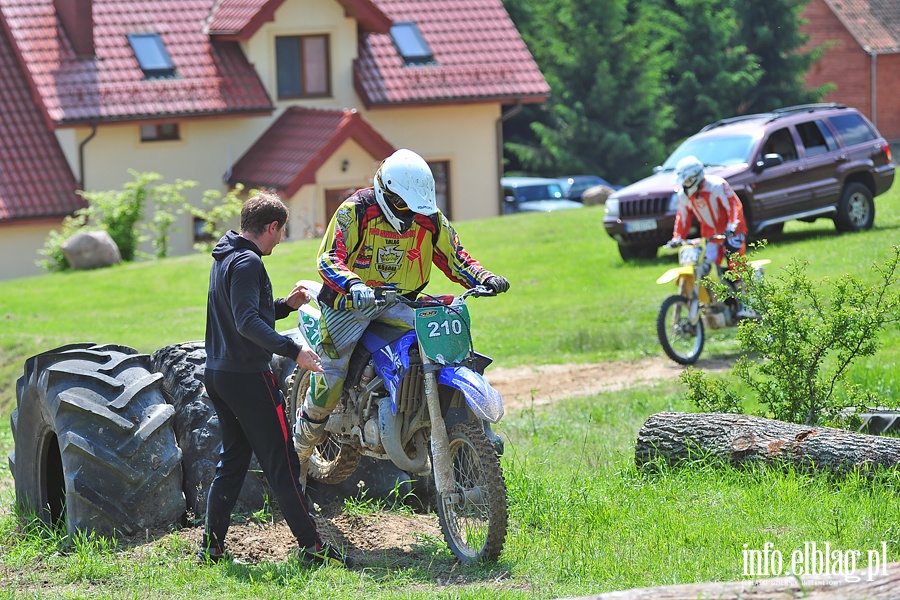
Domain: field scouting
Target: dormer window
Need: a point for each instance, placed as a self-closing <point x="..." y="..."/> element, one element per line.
<point x="151" y="55"/>
<point x="411" y="44"/>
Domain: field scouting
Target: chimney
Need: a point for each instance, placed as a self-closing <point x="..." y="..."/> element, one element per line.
<point x="77" y="19"/>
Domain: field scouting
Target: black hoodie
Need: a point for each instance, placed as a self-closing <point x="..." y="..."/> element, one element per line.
<point x="240" y="312"/>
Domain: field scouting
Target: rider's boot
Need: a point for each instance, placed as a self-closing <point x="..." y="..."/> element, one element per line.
<point x="307" y="433"/>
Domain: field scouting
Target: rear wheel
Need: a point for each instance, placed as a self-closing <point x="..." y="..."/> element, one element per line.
<point x="475" y="524"/>
<point x="94" y="442"/>
<point x="331" y="462"/>
<point x="856" y="210"/>
<point x="681" y="339"/>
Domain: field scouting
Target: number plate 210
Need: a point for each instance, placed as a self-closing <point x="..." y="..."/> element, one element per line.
<point x="443" y="332"/>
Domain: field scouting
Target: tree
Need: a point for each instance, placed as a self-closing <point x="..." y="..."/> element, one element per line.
<point x="603" y="60"/>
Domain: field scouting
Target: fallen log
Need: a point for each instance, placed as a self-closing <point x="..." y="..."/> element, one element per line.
<point x="882" y="584"/>
<point x="676" y="438"/>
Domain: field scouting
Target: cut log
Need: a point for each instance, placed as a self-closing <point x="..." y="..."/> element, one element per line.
<point x="880" y="584"/>
<point x="675" y="438"/>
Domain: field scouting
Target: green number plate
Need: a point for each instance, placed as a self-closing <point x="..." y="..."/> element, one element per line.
<point x="443" y="332"/>
<point x="310" y="327"/>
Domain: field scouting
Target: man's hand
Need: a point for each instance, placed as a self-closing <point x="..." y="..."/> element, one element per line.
<point x="309" y="360"/>
<point x="362" y="296"/>
<point x="729" y="231"/>
<point x="497" y="284"/>
<point x="298" y="296"/>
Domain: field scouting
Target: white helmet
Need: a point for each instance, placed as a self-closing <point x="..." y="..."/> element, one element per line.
<point x="689" y="174"/>
<point x="404" y="185"/>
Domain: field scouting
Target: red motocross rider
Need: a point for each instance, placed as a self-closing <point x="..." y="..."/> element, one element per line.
<point x="711" y="200"/>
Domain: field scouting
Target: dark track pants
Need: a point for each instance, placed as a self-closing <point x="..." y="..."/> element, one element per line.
<point x="250" y="408"/>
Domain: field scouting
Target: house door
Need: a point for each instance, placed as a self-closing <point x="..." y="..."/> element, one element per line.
<point x="333" y="199"/>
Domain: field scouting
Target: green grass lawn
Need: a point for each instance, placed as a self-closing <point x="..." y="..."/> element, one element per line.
<point x="582" y="519"/>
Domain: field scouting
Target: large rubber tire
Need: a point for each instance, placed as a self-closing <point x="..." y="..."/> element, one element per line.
<point x="630" y="253"/>
<point x="331" y="462"/>
<point x="681" y="340"/>
<point x="856" y="210"/>
<point x="197" y="429"/>
<point x="94" y="443"/>
<point x="475" y="527"/>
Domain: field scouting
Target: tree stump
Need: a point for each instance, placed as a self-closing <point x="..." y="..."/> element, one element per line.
<point x="676" y="438"/>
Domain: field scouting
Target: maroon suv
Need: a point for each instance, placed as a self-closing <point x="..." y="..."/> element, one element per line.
<point x="802" y="162"/>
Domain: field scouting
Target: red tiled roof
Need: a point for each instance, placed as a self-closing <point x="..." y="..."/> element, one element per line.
<point x="35" y="179"/>
<point x="874" y="24"/>
<point x="213" y="78"/>
<point x="290" y="152"/>
<point x="240" y="19"/>
<point x="479" y="53"/>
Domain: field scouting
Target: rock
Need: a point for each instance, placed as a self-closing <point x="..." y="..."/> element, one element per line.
<point x="596" y="195"/>
<point x="91" y="250"/>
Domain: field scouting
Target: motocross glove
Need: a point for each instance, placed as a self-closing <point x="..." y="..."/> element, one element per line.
<point x="497" y="284"/>
<point x="673" y="243"/>
<point x="729" y="231"/>
<point x="362" y="296"/>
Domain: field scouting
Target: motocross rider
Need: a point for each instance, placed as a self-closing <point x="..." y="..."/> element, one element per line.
<point x="711" y="200"/>
<point x="387" y="234"/>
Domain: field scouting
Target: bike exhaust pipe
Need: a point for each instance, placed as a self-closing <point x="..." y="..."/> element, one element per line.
<point x="390" y="439"/>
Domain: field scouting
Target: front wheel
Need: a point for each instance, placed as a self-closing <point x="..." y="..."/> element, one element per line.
<point x="681" y="340"/>
<point x="474" y="524"/>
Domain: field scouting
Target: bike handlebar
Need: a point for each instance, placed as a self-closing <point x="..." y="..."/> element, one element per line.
<point x="385" y="295"/>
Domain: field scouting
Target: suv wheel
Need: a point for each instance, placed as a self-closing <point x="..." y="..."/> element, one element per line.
<point x="637" y="252"/>
<point x="856" y="210"/>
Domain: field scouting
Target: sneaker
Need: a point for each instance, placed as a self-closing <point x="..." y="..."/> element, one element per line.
<point x="211" y="556"/>
<point x="323" y="554"/>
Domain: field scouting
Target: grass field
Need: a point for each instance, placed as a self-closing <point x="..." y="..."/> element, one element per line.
<point x="583" y="519"/>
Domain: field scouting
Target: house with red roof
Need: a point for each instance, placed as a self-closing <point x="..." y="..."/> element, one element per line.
<point x="304" y="97"/>
<point x="861" y="57"/>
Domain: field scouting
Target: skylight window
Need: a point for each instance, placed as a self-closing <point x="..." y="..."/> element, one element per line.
<point x="410" y="43"/>
<point x="151" y="55"/>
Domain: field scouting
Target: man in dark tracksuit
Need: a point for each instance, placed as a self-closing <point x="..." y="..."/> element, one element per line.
<point x="240" y="340"/>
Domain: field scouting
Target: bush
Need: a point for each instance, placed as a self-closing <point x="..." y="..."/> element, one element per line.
<point x="805" y="343"/>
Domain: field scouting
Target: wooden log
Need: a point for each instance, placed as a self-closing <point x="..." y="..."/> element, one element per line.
<point x="675" y="438"/>
<point x="881" y="584"/>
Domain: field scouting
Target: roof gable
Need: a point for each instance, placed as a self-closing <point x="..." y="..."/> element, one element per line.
<point x="874" y="24"/>
<point x="478" y="53"/>
<point x="212" y="77"/>
<point x="240" y="19"/>
<point x="37" y="180"/>
<point x="287" y="156"/>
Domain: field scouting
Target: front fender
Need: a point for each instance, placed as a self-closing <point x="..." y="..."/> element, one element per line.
<point x="484" y="400"/>
<point x="675" y="273"/>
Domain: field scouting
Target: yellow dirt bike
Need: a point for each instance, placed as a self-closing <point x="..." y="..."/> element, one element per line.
<point x="683" y="317"/>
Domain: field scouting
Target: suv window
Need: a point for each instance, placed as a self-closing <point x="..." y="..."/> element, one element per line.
<point x="781" y="142"/>
<point x="852" y="129"/>
<point x="816" y="138"/>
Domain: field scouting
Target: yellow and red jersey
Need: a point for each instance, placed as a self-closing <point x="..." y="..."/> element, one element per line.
<point x="715" y="205"/>
<point x="360" y="245"/>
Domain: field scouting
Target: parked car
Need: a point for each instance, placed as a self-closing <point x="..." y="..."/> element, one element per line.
<point x="534" y="194"/>
<point x="573" y="186"/>
<point x="801" y="162"/>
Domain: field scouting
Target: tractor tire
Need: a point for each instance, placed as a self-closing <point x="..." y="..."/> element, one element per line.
<point x="94" y="447"/>
<point x="197" y="429"/>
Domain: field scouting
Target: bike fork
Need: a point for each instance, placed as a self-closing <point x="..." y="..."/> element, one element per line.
<point x="440" y="442"/>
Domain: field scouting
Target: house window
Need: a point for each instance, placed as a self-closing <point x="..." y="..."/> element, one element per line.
<point x="200" y="233"/>
<point x="157" y="132"/>
<point x="411" y="44"/>
<point x="151" y="55"/>
<point x="441" y="172"/>
<point x="303" y="66"/>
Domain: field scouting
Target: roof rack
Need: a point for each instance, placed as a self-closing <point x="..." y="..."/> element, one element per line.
<point x="731" y="120"/>
<point x="808" y="107"/>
